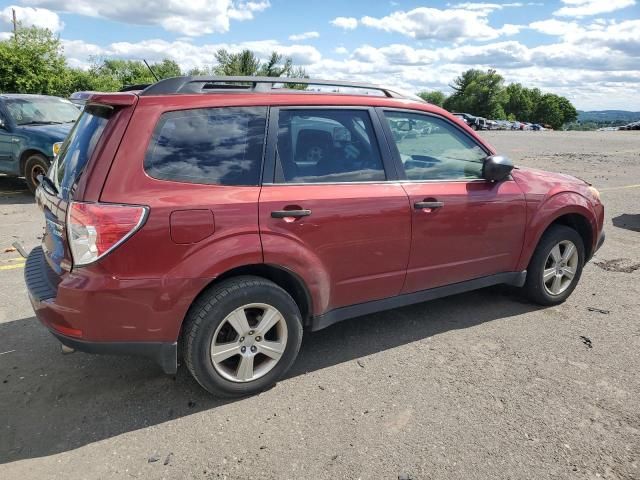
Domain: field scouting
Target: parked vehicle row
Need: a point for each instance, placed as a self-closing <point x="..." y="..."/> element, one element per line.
<point x="480" y="123"/>
<point x="228" y="216"/>
<point x="630" y="126"/>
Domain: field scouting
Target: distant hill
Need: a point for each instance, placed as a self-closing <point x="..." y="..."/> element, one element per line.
<point x="608" y="116"/>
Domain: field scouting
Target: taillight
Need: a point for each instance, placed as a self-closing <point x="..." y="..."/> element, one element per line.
<point x="94" y="229"/>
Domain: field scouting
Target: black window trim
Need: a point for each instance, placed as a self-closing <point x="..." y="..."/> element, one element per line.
<point x="402" y="176"/>
<point x="188" y="108"/>
<point x="272" y="162"/>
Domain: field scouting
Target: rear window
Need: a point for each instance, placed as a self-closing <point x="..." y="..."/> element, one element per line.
<point x="219" y="146"/>
<point x="78" y="148"/>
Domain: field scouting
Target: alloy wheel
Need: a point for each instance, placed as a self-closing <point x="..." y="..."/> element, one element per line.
<point x="249" y="342"/>
<point x="560" y="267"/>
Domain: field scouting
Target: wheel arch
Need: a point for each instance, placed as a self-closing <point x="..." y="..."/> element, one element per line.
<point x="283" y="277"/>
<point x="569" y="209"/>
<point x="580" y="224"/>
<point x="26" y="153"/>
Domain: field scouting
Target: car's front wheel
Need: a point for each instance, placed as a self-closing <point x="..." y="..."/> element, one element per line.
<point x="556" y="266"/>
<point x="241" y="336"/>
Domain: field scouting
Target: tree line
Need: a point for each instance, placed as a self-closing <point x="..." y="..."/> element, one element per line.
<point x="33" y="61"/>
<point x="484" y="94"/>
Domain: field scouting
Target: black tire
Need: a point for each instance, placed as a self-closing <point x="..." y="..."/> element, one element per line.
<point x="534" y="287"/>
<point x="34" y="165"/>
<point x="211" y="309"/>
<point x="475" y="127"/>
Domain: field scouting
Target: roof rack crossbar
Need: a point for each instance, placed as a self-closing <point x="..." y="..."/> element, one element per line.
<point x="259" y="84"/>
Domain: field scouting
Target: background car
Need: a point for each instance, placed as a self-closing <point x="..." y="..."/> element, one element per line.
<point x="32" y="128"/>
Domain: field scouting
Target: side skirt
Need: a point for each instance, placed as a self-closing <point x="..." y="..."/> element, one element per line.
<point x="319" y="322"/>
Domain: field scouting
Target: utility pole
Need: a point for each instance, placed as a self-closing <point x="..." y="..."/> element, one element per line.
<point x="15" y="25"/>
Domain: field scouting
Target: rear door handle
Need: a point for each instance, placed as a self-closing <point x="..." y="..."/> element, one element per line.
<point x="290" y="213"/>
<point x="421" y="205"/>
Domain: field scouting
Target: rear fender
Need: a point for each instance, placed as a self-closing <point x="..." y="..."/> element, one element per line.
<point x="293" y="255"/>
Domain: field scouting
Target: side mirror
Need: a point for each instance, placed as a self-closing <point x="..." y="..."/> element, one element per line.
<point x="496" y="168"/>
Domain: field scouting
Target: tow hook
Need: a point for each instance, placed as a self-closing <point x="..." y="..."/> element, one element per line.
<point x="66" y="350"/>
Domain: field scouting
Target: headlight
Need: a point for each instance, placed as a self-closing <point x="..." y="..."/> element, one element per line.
<point x="56" y="148"/>
<point x="594" y="191"/>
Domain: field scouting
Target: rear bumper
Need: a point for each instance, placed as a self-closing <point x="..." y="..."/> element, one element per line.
<point x="99" y="313"/>
<point x="165" y="354"/>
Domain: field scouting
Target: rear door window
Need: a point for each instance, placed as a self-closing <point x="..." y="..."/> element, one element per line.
<point x="217" y="146"/>
<point x="328" y="145"/>
<point x="78" y="148"/>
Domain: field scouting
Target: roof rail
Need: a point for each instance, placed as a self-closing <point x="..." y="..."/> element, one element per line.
<point x="255" y="84"/>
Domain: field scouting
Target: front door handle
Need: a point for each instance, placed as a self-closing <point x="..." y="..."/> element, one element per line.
<point x="421" y="205"/>
<point x="290" y="213"/>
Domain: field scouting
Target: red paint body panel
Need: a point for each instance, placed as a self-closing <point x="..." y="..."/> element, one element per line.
<point x="362" y="242"/>
<point x="353" y="248"/>
<point x="478" y="232"/>
<point x="191" y="226"/>
<point x="549" y="196"/>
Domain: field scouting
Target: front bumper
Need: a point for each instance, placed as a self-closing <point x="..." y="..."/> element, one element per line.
<point x="66" y="309"/>
<point x="599" y="243"/>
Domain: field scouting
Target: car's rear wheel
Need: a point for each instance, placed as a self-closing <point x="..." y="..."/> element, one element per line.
<point x="241" y="336"/>
<point x="556" y="266"/>
<point x="35" y="165"/>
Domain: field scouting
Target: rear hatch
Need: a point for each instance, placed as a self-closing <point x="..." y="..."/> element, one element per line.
<point x="57" y="190"/>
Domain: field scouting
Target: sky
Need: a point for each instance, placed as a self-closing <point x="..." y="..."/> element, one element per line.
<point x="586" y="50"/>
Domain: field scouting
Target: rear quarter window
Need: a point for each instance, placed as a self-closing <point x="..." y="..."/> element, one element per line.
<point x="215" y="146"/>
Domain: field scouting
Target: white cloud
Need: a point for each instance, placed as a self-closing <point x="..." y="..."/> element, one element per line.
<point x="486" y="7"/>
<point x="341" y="50"/>
<point x="620" y="36"/>
<point x="186" y="54"/>
<point x="190" y="19"/>
<point x="448" y="25"/>
<point x="348" y="23"/>
<point x="28" y="17"/>
<point x="583" y="8"/>
<point x="303" y="36"/>
<point x="554" y="27"/>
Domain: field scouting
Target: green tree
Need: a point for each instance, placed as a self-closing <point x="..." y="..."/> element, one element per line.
<point x="32" y="62"/>
<point x="247" y="63"/>
<point x="548" y="111"/>
<point x="435" y="97"/>
<point x="569" y="112"/>
<point x="519" y="103"/>
<point x="479" y="93"/>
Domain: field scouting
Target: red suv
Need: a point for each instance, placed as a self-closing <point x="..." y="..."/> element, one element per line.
<point x="221" y="217"/>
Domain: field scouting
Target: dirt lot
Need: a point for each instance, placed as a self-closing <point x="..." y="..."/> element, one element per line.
<point x="481" y="385"/>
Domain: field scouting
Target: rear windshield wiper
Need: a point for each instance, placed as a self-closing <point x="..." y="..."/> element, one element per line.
<point x="48" y="184"/>
<point x="42" y="123"/>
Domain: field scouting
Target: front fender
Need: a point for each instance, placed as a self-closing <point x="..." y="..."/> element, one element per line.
<point x="542" y="215"/>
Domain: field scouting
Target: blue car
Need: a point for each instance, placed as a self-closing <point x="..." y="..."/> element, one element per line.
<point x="32" y="128"/>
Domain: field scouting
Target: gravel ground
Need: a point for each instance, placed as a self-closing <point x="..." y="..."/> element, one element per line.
<point x="481" y="385"/>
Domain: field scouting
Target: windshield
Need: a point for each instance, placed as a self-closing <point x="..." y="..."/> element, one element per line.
<point x="78" y="148"/>
<point x="41" y="110"/>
